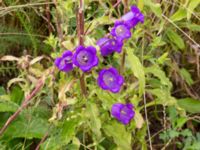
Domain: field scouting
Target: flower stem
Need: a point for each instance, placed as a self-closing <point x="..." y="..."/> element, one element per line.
<point x="123" y="58"/>
<point x="80" y="31"/>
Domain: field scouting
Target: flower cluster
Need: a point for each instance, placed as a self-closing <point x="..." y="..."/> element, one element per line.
<point x="109" y="79"/>
<point x="120" y="32"/>
<point x="84" y="58"/>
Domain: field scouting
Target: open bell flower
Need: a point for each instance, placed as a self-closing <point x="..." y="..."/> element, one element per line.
<point x="85" y="58"/>
<point x="123" y="112"/>
<point x="121" y="30"/>
<point x="64" y="63"/>
<point x="109" y="45"/>
<point x="133" y="17"/>
<point x="109" y="79"/>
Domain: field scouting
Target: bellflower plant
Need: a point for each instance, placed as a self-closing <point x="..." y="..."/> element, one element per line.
<point x="85" y="58"/>
<point x="109" y="45"/>
<point x="109" y="79"/>
<point x="133" y="17"/>
<point x="64" y="63"/>
<point x="123" y="112"/>
<point x="121" y="30"/>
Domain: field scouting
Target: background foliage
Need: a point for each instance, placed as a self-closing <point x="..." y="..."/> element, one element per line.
<point x="162" y="76"/>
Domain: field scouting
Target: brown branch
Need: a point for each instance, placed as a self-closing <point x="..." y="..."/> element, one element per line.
<point x="58" y="22"/>
<point x="48" y="15"/>
<point x="42" y="140"/>
<point x="80" y="31"/>
<point x="24" y="104"/>
<point x="117" y="3"/>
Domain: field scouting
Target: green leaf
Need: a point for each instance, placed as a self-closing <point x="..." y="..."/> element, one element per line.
<point x="137" y="69"/>
<point x="94" y="121"/>
<point x="16" y="94"/>
<point x="190" y="105"/>
<point x="163" y="58"/>
<point x="28" y="127"/>
<point x="155" y="7"/>
<point x="179" y="15"/>
<point x="121" y="137"/>
<point x="192" y="5"/>
<point x="186" y="76"/>
<point x="192" y="26"/>
<point x="2" y="91"/>
<point x="156" y="71"/>
<point x="62" y="136"/>
<point x="173" y="133"/>
<point x="7" y="106"/>
<point x="175" y="38"/>
<point x="140" y="4"/>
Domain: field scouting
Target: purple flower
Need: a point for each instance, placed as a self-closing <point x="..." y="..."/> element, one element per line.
<point x="64" y="63"/>
<point x="109" y="79"/>
<point x="133" y="17"/>
<point x="109" y="45"/>
<point x="85" y="58"/>
<point x="123" y="112"/>
<point x="121" y="30"/>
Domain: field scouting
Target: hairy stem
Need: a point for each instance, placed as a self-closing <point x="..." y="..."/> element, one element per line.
<point x="80" y="31"/>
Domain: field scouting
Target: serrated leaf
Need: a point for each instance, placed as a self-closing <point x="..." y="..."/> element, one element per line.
<point x="137" y="69"/>
<point x="175" y="38"/>
<point x="63" y="135"/>
<point x="121" y="137"/>
<point x="190" y="105"/>
<point x="26" y="126"/>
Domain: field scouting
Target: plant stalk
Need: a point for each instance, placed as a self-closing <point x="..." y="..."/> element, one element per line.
<point x="123" y="58"/>
<point x="80" y="31"/>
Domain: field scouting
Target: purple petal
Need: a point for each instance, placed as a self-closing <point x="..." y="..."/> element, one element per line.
<point x="57" y="61"/>
<point x="67" y="53"/>
<point x="116" y="109"/>
<point x="116" y="89"/>
<point x="120" y="80"/>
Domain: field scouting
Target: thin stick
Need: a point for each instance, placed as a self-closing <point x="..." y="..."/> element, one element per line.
<point x="42" y="140"/>
<point x="25" y="5"/>
<point x="24" y="104"/>
<point x="123" y="58"/>
<point x="80" y="31"/>
<point x="48" y="15"/>
<point x="145" y="104"/>
<point x="58" y="22"/>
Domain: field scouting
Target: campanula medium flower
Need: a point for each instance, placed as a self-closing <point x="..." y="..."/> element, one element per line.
<point x="133" y="17"/>
<point x="109" y="45"/>
<point x="121" y="30"/>
<point x="123" y="112"/>
<point x="109" y="79"/>
<point x="85" y="58"/>
<point x="64" y="63"/>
